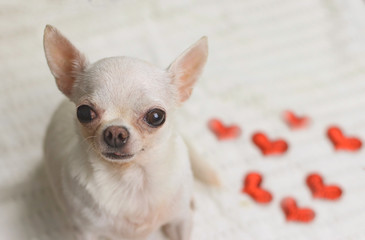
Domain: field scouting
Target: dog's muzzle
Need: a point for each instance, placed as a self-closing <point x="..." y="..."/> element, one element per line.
<point x="116" y="136"/>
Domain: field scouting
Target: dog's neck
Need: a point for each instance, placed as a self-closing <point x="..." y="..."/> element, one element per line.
<point x="115" y="185"/>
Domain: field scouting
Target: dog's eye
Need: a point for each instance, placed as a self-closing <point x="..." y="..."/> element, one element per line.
<point x="85" y="114"/>
<point x="155" y="117"/>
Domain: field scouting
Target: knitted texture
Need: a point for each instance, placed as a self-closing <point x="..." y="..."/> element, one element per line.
<point x="266" y="57"/>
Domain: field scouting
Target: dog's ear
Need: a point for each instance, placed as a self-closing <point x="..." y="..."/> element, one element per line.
<point x="63" y="59"/>
<point x="186" y="69"/>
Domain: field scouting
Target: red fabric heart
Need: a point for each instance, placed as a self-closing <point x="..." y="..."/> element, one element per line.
<point x="268" y="147"/>
<point x="223" y="132"/>
<point x="293" y="213"/>
<point x="342" y="142"/>
<point x="294" y="121"/>
<point x="320" y="190"/>
<point x="252" y="187"/>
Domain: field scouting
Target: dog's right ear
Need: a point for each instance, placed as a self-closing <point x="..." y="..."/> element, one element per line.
<point x="63" y="59"/>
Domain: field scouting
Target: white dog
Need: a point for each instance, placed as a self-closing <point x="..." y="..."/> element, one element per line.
<point x="114" y="159"/>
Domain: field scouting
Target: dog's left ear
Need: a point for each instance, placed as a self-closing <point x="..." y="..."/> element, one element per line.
<point x="186" y="69"/>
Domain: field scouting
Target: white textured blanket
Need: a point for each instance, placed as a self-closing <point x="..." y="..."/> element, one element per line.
<point x="266" y="56"/>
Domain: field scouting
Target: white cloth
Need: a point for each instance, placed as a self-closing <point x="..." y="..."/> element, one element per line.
<point x="266" y="56"/>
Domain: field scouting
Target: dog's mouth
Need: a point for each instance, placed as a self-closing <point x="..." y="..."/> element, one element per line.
<point x="117" y="156"/>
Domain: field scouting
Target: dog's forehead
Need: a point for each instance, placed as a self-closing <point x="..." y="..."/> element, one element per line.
<point x="126" y="72"/>
<point x="123" y="80"/>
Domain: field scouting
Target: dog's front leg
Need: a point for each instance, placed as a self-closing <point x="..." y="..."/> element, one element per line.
<point x="179" y="229"/>
<point x="90" y="236"/>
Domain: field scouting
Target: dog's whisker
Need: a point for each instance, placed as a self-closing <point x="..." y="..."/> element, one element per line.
<point x="90" y="146"/>
<point x="89" y="137"/>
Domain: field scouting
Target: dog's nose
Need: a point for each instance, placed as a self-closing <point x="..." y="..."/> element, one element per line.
<point x="116" y="136"/>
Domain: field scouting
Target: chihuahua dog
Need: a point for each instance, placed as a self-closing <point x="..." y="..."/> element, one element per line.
<point x="115" y="161"/>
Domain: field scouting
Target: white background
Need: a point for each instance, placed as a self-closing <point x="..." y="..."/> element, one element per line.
<point x="266" y="56"/>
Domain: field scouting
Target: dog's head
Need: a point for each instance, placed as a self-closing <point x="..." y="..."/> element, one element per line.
<point x="123" y="105"/>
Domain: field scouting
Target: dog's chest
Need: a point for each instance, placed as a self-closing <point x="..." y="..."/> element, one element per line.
<point x="132" y="202"/>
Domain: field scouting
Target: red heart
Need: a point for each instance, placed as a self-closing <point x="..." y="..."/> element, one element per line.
<point x="268" y="147"/>
<point x="294" y="121"/>
<point x="320" y="190"/>
<point x="293" y="213"/>
<point x="252" y="188"/>
<point x="223" y="132"/>
<point x="342" y="142"/>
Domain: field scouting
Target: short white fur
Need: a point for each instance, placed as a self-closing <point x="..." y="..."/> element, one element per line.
<point x="128" y="198"/>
